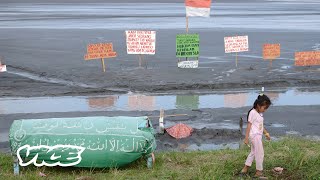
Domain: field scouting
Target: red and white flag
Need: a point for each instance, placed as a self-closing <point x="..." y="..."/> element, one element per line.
<point x="198" y="8"/>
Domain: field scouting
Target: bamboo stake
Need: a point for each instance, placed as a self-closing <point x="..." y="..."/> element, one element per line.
<point x="236" y="59"/>
<point x="174" y="115"/>
<point x="103" y="65"/>
<point x="187" y="19"/>
<point x="140" y="60"/>
<point x="161" y="122"/>
<point x="187" y="30"/>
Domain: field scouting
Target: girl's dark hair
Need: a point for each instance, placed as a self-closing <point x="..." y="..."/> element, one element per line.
<point x="262" y="100"/>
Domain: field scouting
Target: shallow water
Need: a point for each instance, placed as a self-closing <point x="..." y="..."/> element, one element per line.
<point x="151" y="102"/>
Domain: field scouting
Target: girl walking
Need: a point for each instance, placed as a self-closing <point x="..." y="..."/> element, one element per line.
<point x="254" y="133"/>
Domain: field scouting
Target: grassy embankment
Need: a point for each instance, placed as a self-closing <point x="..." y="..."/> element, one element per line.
<point x="299" y="157"/>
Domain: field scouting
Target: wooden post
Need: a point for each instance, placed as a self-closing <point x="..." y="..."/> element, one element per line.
<point x="143" y="61"/>
<point x="187" y="20"/>
<point x="161" y="123"/>
<point x="140" y="60"/>
<point x="236" y="59"/>
<point x="187" y="29"/>
<point x="103" y="65"/>
<point x="270" y="63"/>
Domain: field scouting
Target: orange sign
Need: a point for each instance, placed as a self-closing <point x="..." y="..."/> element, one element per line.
<point x="101" y="50"/>
<point x="271" y="51"/>
<point x="309" y="58"/>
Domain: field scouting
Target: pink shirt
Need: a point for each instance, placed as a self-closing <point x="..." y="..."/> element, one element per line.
<point x="256" y="119"/>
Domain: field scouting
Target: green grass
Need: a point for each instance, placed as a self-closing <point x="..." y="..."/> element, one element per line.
<point x="299" y="157"/>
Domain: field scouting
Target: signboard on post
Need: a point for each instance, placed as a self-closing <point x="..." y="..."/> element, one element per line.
<point x="187" y="45"/>
<point x="100" y="51"/>
<point x="3" y="68"/>
<point x="308" y="58"/>
<point x="141" y="42"/>
<point x="236" y="44"/>
<point x="271" y="51"/>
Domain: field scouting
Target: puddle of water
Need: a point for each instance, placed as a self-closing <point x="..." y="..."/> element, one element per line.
<point x="314" y="138"/>
<point x="285" y="67"/>
<point x="138" y="102"/>
<point x="293" y="133"/>
<point x="200" y="125"/>
<point x="4" y="137"/>
<point x="208" y="147"/>
<point x="46" y="79"/>
<point x="278" y="125"/>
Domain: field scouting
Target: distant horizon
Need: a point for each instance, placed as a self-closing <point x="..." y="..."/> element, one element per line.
<point x="118" y="1"/>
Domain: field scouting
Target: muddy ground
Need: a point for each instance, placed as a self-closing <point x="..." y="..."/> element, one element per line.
<point x="56" y="58"/>
<point x="49" y="62"/>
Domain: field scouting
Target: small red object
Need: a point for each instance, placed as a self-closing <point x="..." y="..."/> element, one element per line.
<point x="179" y="131"/>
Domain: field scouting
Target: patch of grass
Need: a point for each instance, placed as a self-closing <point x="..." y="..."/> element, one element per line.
<point x="299" y="157"/>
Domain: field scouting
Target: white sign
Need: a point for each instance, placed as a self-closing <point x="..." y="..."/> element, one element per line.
<point x="188" y="64"/>
<point x="74" y="155"/>
<point x="141" y="42"/>
<point x="3" y="68"/>
<point x="236" y="44"/>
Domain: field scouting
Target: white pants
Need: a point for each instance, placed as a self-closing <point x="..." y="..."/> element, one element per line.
<point x="257" y="152"/>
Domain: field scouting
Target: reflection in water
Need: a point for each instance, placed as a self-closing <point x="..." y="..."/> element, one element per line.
<point x="149" y="103"/>
<point x="187" y="102"/>
<point x="102" y="102"/>
<point x="273" y="96"/>
<point x="141" y="103"/>
<point x="235" y="100"/>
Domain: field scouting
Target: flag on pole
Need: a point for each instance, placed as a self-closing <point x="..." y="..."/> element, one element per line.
<point x="198" y="8"/>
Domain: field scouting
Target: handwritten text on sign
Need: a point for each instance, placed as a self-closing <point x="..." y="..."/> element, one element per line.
<point x="141" y="42"/>
<point x="271" y="51"/>
<point x="101" y="50"/>
<point x="3" y="68"/>
<point x="236" y="44"/>
<point x="187" y="45"/>
<point x="309" y="58"/>
<point x="188" y="64"/>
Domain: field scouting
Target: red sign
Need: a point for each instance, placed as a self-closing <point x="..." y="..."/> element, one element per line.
<point x="101" y="50"/>
<point x="271" y="51"/>
<point x="309" y="58"/>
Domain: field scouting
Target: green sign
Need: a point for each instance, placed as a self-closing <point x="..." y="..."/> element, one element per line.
<point x="187" y="45"/>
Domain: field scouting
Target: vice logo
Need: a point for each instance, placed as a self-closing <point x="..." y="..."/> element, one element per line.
<point x="59" y="155"/>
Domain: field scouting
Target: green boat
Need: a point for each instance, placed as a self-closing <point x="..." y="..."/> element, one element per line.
<point x="82" y="141"/>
